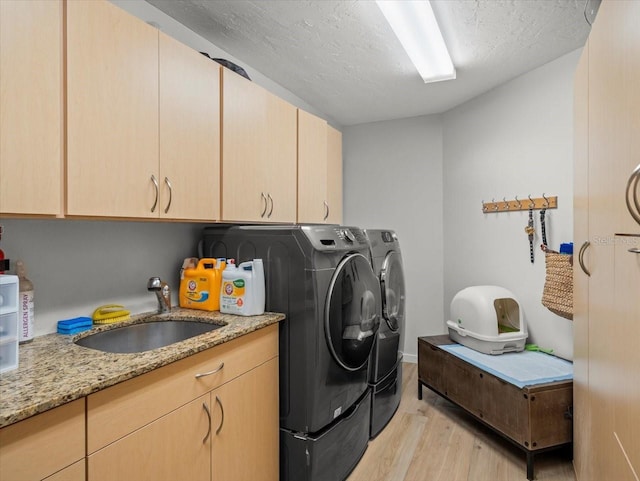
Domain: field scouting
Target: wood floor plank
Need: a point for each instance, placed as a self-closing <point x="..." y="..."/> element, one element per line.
<point x="431" y="439"/>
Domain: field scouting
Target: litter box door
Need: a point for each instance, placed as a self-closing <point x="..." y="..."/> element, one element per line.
<point x="392" y="287"/>
<point x="352" y="318"/>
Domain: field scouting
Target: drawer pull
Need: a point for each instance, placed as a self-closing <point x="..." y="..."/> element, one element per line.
<point x="206" y="409"/>
<point x="209" y="373"/>
<point x="634" y="250"/>
<point x="222" y="419"/>
<point x="166" y="181"/>
<point x="266" y="204"/>
<point x="157" y="187"/>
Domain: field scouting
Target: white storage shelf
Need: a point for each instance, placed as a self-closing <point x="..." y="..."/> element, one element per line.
<point x="9" y="334"/>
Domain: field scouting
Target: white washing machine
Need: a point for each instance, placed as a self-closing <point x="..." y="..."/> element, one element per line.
<point x="385" y="365"/>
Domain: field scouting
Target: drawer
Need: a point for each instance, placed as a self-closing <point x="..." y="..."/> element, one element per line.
<point x="43" y="444"/>
<point x="118" y="410"/>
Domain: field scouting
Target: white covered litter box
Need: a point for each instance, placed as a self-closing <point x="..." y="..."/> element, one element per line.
<point x="487" y="319"/>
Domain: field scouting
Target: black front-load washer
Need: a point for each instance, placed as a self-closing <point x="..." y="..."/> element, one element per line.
<point x="321" y="278"/>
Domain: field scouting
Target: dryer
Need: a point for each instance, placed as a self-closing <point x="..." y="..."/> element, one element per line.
<point x="385" y="366"/>
<point x="321" y="278"/>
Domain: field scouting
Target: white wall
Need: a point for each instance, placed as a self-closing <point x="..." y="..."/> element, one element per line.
<point x="393" y="180"/>
<point x="426" y="178"/>
<point x="515" y="140"/>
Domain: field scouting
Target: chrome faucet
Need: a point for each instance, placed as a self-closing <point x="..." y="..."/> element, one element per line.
<point x="163" y="293"/>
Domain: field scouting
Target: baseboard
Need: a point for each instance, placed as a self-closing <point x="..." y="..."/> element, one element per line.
<point x="412" y="358"/>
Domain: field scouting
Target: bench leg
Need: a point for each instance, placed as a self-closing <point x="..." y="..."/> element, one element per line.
<point x="419" y="390"/>
<point x="530" y="465"/>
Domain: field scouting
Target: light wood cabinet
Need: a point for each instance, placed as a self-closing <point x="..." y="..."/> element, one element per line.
<point x="213" y="407"/>
<point x="259" y="172"/>
<point x="605" y="361"/>
<point x="245" y="433"/>
<point x="175" y="446"/>
<point x="313" y="203"/>
<point x="189" y="133"/>
<point x="112" y="112"/>
<point x="31" y="112"/>
<point x="45" y="445"/>
<point x="319" y="170"/>
<point x="334" y="175"/>
<point x="143" y="120"/>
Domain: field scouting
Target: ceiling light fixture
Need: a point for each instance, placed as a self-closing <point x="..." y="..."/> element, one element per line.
<point x="416" y="27"/>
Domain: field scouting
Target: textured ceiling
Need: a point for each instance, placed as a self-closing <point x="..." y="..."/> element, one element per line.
<point x="342" y="57"/>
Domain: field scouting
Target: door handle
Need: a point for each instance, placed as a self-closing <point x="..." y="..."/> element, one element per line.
<point x="583" y="248"/>
<point x="266" y="204"/>
<point x="270" y="210"/>
<point x="632" y="193"/>
<point x="166" y="181"/>
<point x="206" y="409"/>
<point x="326" y="210"/>
<point x="222" y="419"/>
<point x="155" y="183"/>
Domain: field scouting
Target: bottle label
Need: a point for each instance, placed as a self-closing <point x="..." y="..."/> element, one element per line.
<point x="26" y="316"/>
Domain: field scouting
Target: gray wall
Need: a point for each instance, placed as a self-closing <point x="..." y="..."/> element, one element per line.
<point x="393" y="180"/>
<point x="426" y="178"/>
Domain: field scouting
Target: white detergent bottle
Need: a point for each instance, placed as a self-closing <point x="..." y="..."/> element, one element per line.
<point x="230" y="290"/>
<point x="259" y="290"/>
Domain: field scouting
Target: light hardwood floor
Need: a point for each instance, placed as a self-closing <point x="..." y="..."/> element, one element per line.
<point x="433" y="440"/>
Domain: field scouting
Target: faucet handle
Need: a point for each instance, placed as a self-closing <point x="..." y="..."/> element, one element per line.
<point x="154" y="284"/>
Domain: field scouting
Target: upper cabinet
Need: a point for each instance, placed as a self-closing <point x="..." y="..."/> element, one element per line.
<point x="258" y="153"/>
<point x="143" y="120"/>
<point x="112" y="112"/>
<point x="31" y="107"/>
<point x="319" y="171"/>
<point x="334" y="175"/>
<point x="189" y="133"/>
<point x="312" y="168"/>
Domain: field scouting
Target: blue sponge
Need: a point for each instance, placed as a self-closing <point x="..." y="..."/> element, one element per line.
<point x="75" y="325"/>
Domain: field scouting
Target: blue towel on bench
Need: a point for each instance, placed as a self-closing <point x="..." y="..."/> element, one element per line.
<point x="518" y="368"/>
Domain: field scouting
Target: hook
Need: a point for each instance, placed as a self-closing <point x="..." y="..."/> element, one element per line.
<point x="532" y="204"/>
<point x="506" y="204"/>
<point x="495" y="204"/>
<point x="519" y="203"/>
<point x="546" y="201"/>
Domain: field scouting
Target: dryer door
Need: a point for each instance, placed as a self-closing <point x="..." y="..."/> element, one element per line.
<point x="392" y="287"/>
<point x="352" y="312"/>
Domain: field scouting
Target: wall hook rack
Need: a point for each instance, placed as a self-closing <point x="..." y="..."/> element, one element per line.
<point x="535" y="203"/>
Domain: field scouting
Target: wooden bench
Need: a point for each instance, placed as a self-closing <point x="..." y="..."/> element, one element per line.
<point x="535" y="418"/>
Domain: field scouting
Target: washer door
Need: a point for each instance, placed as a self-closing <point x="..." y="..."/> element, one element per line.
<point x="392" y="287"/>
<point x="352" y="312"/>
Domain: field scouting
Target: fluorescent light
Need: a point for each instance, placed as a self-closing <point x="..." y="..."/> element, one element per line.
<point x="417" y="29"/>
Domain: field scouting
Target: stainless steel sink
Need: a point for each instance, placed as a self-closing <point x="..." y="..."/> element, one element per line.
<point x="145" y="336"/>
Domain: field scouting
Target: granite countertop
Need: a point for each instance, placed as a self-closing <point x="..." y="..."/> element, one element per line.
<point x="53" y="370"/>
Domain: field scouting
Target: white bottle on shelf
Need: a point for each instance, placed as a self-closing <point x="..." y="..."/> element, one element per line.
<point x="26" y="303"/>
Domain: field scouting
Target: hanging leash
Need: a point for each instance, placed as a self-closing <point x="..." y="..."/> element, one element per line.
<point x="543" y="227"/>
<point x="530" y="232"/>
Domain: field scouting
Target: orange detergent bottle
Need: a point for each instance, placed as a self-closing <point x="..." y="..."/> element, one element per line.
<point x="200" y="285"/>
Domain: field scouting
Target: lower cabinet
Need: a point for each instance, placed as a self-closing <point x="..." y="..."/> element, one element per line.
<point x="210" y="416"/>
<point x="245" y="433"/>
<point x="176" y="446"/>
<point x="50" y="445"/>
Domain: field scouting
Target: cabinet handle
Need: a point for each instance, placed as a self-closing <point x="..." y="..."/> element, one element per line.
<point x="222" y="419"/>
<point x="266" y="204"/>
<point x="270" y="210"/>
<point x="155" y="183"/>
<point x="632" y="191"/>
<point x="326" y="210"/>
<point x="206" y="409"/>
<point x="166" y="181"/>
<point x="635" y="250"/>
<point x="583" y="248"/>
<point x="209" y="373"/>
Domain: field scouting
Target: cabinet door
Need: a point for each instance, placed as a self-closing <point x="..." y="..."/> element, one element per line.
<point x="258" y="153"/>
<point x="175" y="446"/>
<point x="625" y="325"/>
<point x="246" y="426"/>
<point x="112" y="112"/>
<point x="312" y="168"/>
<point x="43" y="444"/>
<point x="334" y="175"/>
<point x="189" y="133"/>
<point x="581" y="410"/>
<point x="31" y="116"/>
<point x="75" y="472"/>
